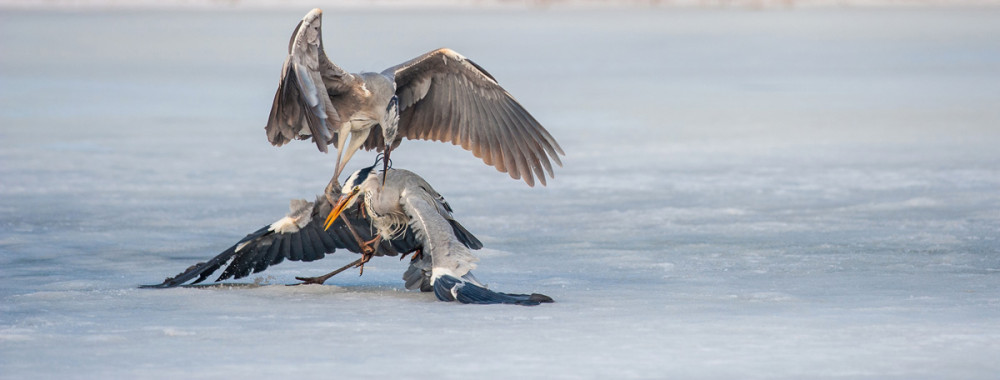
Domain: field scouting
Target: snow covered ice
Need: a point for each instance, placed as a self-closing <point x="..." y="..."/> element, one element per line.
<point x="779" y="194"/>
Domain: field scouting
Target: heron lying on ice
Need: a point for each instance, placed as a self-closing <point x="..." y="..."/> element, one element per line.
<point x="440" y="96"/>
<point x="407" y="216"/>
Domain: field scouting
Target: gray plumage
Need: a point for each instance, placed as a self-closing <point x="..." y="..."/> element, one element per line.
<point x="300" y="236"/>
<point x="408" y="215"/>
<point x="439" y="96"/>
<point x="446" y="263"/>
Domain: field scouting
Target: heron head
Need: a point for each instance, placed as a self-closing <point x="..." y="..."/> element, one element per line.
<point x="357" y="179"/>
<point x="349" y="193"/>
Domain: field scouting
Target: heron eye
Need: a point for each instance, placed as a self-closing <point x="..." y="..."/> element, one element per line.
<point x="357" y="188"/>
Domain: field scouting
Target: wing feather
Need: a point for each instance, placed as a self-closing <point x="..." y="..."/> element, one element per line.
<point x="531" y="146"/>
<point x="447" y="97"/>
<point x="257" y="253"/>
<point x="529" y="156"/>
<point x="269" y="246"/>
<point x="302" y="107"/>
<point x="283" y="250"/>
<point x="436" y="232"/>
<point x="499" y="145"/>
<point x="317" y="242"/>
<point x="501" y="133"/>
<point x="272" y="244"/>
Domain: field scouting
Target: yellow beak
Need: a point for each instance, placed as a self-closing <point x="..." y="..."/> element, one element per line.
<point x="339" y="208"/>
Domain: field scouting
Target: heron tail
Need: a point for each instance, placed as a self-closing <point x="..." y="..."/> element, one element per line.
<point x="448" y="288"/>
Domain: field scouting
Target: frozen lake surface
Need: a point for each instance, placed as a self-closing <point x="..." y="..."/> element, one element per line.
<point x="790" y="194"/>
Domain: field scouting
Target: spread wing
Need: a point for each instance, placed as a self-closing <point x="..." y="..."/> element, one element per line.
<point x="302" y="106"/>
<point x="300" y="237"/>
<point x="444" y="96"/>
<point x="297" y="237"/>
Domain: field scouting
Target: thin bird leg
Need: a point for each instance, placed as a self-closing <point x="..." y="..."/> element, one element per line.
<point x="374" y="242"/>
<point x="368" y="254"/>
<point x="367" y="251"/>
<point x="321" y="279"/>
<point x="332" y="189"/>
<point x="366" y="247"/>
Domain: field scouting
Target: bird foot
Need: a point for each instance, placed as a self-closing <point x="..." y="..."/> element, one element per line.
<point x="319" y="280"/>
<point x="417" y="255"/>
<point x="367" y="251"/>
<point x="368" y="247"/>
<point x="361" y="262"/>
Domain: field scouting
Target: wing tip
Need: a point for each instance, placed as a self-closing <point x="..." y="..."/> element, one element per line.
<point x="449" y="52"/>
<point x="313" y="15"/>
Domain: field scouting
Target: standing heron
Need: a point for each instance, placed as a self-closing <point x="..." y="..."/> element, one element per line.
<point x="440" y="96"/>
<point x="402" y="216"/>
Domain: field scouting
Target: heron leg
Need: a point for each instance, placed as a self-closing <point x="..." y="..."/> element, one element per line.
<point x="371" y="244"/>
<point x="367" y="247"/>
<point x="361" y="209"/>
<point x="331" y="191"/>
<point x="368" y="253"/>
<point x="319" y="280"/>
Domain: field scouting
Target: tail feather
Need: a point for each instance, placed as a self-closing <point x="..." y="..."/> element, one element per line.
<point x="448" y="288"/>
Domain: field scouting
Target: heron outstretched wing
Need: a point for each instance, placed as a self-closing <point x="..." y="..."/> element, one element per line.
<point x="444" y="96"/>
<point x="300" y="237"/>
<point x="297" y="237"/>
<point x="302" y="106"/>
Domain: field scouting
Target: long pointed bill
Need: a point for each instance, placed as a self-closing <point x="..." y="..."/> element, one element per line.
<point x="385" y="162"/>
<point x="339" y="208"/>
<point x="339" y="167"/>
<point x="346" y="151"/>
<point x="342" y="136"/>
<point x="336" y="170"/>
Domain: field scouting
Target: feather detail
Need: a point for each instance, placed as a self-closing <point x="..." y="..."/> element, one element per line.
<point x="447" y="253"/>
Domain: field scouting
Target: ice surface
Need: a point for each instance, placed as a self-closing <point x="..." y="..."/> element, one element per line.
<point x="800" y="194"/>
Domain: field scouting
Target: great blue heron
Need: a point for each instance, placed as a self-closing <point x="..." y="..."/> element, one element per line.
<point x="440" y="96"/>
<point x="403" y="215"/>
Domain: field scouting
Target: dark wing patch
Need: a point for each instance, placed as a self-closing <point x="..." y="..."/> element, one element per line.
<point x="263" y="248"/>
<point x="465" y="236"/>
<point x="205" y="269"/>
